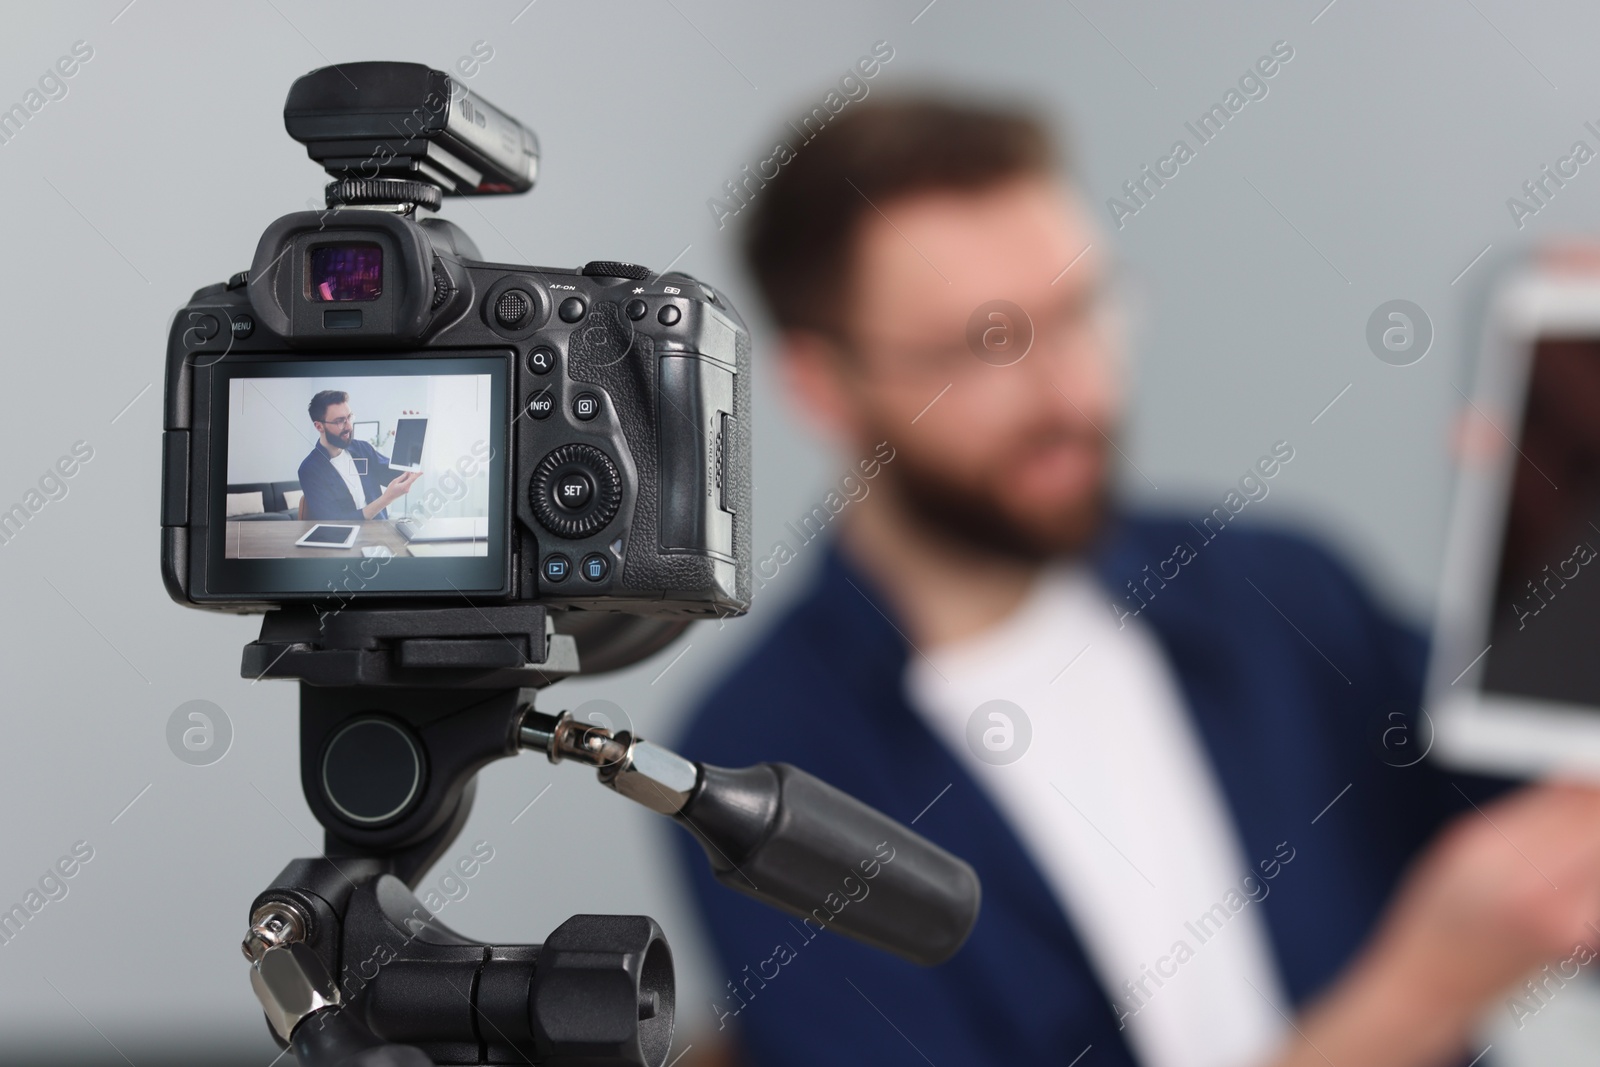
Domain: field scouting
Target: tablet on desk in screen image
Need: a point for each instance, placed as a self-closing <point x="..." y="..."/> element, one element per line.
<point x="1514" y="685"/>
<point x="329" y="535"/>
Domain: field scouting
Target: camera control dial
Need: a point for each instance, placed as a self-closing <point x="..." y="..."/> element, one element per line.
<point x="575" y="491"/>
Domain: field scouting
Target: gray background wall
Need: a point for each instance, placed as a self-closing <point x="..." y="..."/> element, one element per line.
<point x="1377" y="167"/>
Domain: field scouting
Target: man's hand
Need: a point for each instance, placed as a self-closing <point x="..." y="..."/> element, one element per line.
<point x="392" y="492"/>
<point x="399" y="487"/>
<point x="1503" y="891"/>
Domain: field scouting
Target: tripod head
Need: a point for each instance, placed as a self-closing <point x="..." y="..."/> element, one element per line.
<point x="406" y="708"/>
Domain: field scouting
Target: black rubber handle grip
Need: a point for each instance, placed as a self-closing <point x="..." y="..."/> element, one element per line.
<point x="793" y="841"/>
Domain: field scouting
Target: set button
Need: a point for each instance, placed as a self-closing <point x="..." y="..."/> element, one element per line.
<point x="573" y="491"/>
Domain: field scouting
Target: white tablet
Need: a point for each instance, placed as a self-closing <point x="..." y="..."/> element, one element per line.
<point x="1514" y="681"/>
<point x="407" y="452"/>
<point x="330" y="535"/>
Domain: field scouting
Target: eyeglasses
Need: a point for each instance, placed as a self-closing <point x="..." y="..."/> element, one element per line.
<point x="339" y="423"/>
<point x="1076" y="328"/>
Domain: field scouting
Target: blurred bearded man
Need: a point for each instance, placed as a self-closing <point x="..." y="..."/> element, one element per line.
<point x="1155" y="738"/>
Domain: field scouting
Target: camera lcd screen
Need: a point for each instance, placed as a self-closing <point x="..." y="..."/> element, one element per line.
<point x="345" y="272"/>
<point x="313" y="442"/>
<point x="1546" y="601"/>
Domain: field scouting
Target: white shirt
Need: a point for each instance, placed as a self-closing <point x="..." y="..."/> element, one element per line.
<point x="1116" y="802"/>
<point x="347" y="470"/>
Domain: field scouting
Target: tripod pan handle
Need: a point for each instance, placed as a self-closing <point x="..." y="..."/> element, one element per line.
<point x="793" y="841"/>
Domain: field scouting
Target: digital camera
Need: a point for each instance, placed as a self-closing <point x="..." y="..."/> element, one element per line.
<point x="373" y="411"/>
<point x="449" y="484"/>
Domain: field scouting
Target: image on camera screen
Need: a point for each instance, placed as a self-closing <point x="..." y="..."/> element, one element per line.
<point x="406" y="458"/>
<point x="346" y="272"/>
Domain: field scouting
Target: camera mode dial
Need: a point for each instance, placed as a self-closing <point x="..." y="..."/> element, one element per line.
<point x="575" y="491"/>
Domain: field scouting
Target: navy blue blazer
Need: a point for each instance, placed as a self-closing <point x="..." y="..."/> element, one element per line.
<point x="327" y="496"/>
<point x="1305" y="695"/>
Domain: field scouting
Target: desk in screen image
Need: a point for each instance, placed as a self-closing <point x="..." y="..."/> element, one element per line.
<point x="276" y="540"/>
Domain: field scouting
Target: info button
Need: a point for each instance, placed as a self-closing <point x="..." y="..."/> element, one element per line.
<point x="541" y="404"/>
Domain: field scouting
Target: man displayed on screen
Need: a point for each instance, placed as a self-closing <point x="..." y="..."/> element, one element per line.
<point x="344" y="478"/>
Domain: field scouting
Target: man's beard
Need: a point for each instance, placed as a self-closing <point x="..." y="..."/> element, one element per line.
<point x="340" y="439"/>
<point x="979" y="519"/>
